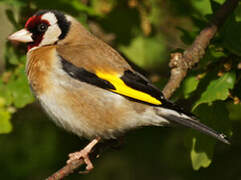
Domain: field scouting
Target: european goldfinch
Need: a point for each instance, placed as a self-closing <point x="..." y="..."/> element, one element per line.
<point x="88" y="88"/>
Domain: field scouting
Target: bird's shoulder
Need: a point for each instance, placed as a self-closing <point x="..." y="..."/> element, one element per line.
<point x="93" y="55"/>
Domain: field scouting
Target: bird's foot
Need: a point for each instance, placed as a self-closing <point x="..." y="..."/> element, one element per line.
<point x="84" y="154"/>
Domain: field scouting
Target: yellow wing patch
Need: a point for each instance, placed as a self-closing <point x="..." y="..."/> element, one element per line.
<point x="123" y="89"/>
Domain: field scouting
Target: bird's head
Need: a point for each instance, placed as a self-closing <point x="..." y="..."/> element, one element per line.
<point x="46" y="27"/>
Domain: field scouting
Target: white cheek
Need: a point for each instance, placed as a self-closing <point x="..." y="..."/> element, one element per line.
<point x="50" y="17"/>
<point x="51" y="35"/>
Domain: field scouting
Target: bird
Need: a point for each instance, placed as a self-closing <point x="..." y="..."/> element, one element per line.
<point x="88" y="88"/>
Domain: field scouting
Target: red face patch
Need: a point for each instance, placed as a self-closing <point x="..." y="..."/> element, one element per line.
<point x="32" y="25"/>
<point x="32" y="21"/>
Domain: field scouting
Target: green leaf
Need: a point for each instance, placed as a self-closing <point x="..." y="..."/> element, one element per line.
<point x="189" y="85"/>
<point x="5" y="94"/>
<point x="215" y="116"/>
<point x="146" y="52"/>
<point x="82" y="7"/>
<point x="201" y="153"/>
<point x="213" y="55"/>
<point x="203" y="6"/>
<point x="5" y="125"/>
<point x="20" y="90"/>
<point x="10" y="55"/>
<point x="217" y="89"/>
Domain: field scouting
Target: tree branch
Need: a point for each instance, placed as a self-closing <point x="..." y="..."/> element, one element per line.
<point x="66" y="170"/>
<point x="179" y="64"/>
<point x="74" y="165"/>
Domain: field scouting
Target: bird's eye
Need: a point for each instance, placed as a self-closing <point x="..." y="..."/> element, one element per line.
<point x="42" y="27"/>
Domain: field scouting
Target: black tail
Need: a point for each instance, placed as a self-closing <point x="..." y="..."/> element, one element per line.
<point x="197" y="126"/>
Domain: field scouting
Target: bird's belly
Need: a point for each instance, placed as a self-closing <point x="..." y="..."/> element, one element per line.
<point x="81" y="112"/>
<point x="60" y="113"/>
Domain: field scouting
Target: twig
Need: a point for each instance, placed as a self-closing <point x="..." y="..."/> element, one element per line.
<point x="74" y="165"/>
<point x="179" y="64"/>
<point x="66" y="170"/>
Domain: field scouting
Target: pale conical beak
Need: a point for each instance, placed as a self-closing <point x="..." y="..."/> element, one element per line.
<point x="21" y="36"/>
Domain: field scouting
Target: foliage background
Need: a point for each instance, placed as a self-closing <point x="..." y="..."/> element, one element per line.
<point x="146" y="32"/>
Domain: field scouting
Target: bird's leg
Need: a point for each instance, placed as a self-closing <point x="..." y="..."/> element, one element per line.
<point x="84" y="153"/>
